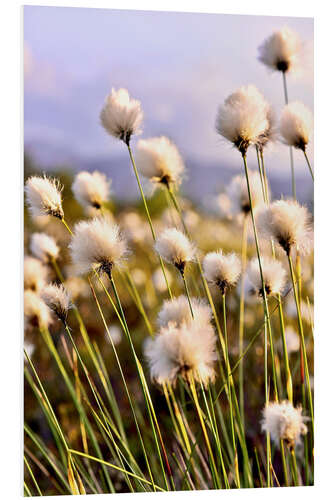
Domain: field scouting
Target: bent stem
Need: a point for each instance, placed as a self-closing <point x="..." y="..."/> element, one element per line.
<point x="309" y="164"/>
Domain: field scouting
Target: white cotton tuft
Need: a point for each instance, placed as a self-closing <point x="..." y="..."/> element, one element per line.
<point x="222" y="270"/>
<point x="238" y="194"/>
<point x="44" y="196"/>
<point x="36" y="312"/>
<point x="242" y="119"/>
<point x="44" y="247"/>
<point x="174" y="247"/>
<point x="285" y="422"/>
<point x="281" y="51"/>
<point x="121" y="115"/>
<point x="177" y="311"/>
<point x="35" y="274"/>
<point x="91" y="189"/>
<point x="288" y="223"/>
<point x="97" y="244"/>
<point x="58" y="300"/>
<point x="159" y="160"/>
<point x="296" y="125"/>
<point x="273" y="272"/>
<point x="115" y="333"/>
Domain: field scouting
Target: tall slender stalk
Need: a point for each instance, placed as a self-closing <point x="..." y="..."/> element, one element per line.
<point x="241" y="319"/>
<point x="308" y="163"/>
<point x="293" y="183"/>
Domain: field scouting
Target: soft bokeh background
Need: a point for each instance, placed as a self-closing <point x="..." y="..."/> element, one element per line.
<point x="180" y="65"/>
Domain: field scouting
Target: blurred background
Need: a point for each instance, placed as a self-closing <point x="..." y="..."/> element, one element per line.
<point x="180" y="65"/>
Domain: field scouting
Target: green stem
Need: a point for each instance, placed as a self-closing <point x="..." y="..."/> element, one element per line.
<point x="293" y="183"/>
<point x="187" y="293"/>
<point x="309" y="164"/>
<point x="241" y="319"/>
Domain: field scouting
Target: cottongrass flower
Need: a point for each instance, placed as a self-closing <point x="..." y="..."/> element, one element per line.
<point x="288" y="223"/>
<point x="44" y="247"/>
<point x="296" y="125"/>
<point x="36" y="312"/>
<point x="238" y="194"/>
<point x="284" y="422"/>
<point x="281" y="51"/>
<point x="274" y="275"/>
<point x="186" y="349"/>
<point x="91" y="189"/>
<point x="159" y="160"/>
<point x="121" y="115"/>
<point x="44" y="196"/>
<point x="58" y="300"/>
<point x="174" y="247"/>
<point x="35" y="274"/>
<point x="242" y="119"/>
<point x="222" y="270"/>
<point x="176" y="311"/>
<point x="97" y="245"/>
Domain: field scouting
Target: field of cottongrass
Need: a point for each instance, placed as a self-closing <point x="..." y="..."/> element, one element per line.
<point x="168" y="347"/>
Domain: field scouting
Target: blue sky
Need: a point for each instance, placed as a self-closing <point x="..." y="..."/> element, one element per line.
<point x="180" y="65"/>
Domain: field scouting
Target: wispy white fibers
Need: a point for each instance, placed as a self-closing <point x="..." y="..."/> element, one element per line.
<point x="36" y="312"/>
<point x="288" y="223"/>
<point x="182" y="348"/>
<point x="281" y="51"/>
<point x="35" y="274"/>
<point x="174" y="247"/>
<point x="91" y="189"/>
<point x="58" y="300"/>
<point x="159" y="160"/>
<point x="238" y="195"/>
<point x="97" y="244"/>
<point x="285" y="422"/>
<point x="270" y="133"/>
<point x="121" y="115"/>
<point x="296" y="125"/>
<point x="222" y="270"/>
<point x="176" y="311"/>
<point x="44" y="247"/>
<point x="43" y="196"/>
<point x="242" y="119"/>
<point x="274" y="275"/>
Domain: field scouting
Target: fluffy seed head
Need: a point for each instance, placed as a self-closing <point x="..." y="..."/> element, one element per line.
<point x="44" y="196"/>
<point x="97" y="244"/>
<point x="91" y="189"/>
<point x="281" y="51"/>
<point x="222" y="270"/>
<point x="174" y="247"/>
<point x="159" y="160"/>
<point x="121" y="115"/>
<point x="57" y="299"/>
<point x="44" y="247"/>
<point x="285" y="422"/>
<point x="242" y="119"/>
<point x="296" y="125"/>
<point x="35" y="274"/>
<point x="273" y="272"/>
<point x="288" y="223"/>
<point x="186" y="349"/>
<point x="177" y="311"/>
<point x="36" y="312"/>
<point x="238" y="195"/>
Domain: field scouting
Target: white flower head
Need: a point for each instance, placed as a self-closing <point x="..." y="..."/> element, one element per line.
<point x="288" y="223"/>
<point x="36" y="312"/>
<point x="121" y="115"/>
<point x="44" y="196"/>
<point x="44" y="247"/>
<point x="285" y="422"/>
<point x="187" y="350"/>
<point x="58" y="300"/>
<point x="222" y="270"/>
<point x="281" y="51"/>
<point x="176" y="311"/>
<point x="91" y="189"/>
<point x="35" y="274"/>
<point x="242" y="119"/>
<point x="296" y="125"/>
<point x="97" y="244"/>
<point x="174" y="247"/>
<point x="159" y="160"/>
<point x="238" y="194"/>
<point x="274" y="275"/>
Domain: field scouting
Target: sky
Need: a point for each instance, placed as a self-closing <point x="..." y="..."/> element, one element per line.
<point x="181" y="66"/>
